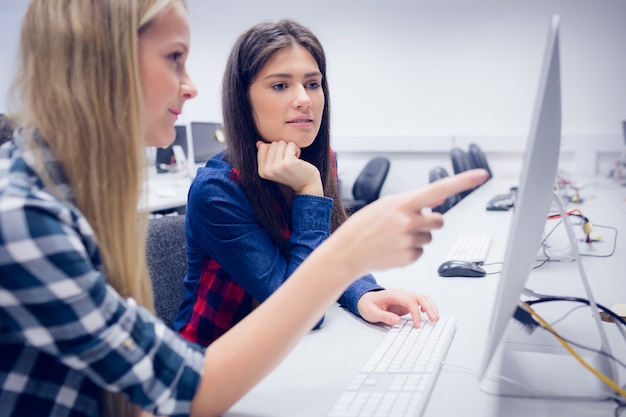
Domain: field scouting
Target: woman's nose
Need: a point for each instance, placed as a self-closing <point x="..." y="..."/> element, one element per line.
<point x="302" y="99"/>
<point x="188" y="88"/>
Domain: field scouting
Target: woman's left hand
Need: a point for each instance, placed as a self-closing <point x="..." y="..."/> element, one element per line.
<point x="280" y="162"/>
<point x="386" y="306"/>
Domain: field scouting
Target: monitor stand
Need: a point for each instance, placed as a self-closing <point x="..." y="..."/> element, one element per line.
<point x="536" y="365"/>
<point x="538" y="368"/>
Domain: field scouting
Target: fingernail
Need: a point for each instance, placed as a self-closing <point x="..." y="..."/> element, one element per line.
<point x="480" y="173"/>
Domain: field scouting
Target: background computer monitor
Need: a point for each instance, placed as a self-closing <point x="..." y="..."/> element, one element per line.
<point x="530" y="367"/>
<point x="208" y="139"/>
<point x="165" y="160"/>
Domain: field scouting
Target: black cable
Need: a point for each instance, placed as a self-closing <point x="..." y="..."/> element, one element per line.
<point x="614" y="243"/>
<point x="621" y="406"/>
<point x="542" y="245"/>
<point x="608" y="311"/>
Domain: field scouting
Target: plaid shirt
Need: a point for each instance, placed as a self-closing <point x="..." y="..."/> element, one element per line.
<point x="64" y="333"/>
<point x="232" y="262"/>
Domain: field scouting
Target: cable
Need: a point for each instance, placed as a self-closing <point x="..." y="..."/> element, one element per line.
<point x="490" y="264"/>
<point x="550" y="258"/>
<point x="524" y="318"/>
<point x="563" y="185"/>
<point x="543" y="246"/>
<point x="541" y="298"/>
<point x="587" y="225"/>
<point x="560" y="319"/>
<point x="614" y="243"/>
<point x="621" y="406"/>
<point x="567" y="346"/>
<point x="489" y="377"/>
<point x="546" y="299"/>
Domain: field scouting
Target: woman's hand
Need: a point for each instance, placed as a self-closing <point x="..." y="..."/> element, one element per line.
<point x="280" y="162"/>
<point x="386" y="306"/>
<point x="392" y="231"/>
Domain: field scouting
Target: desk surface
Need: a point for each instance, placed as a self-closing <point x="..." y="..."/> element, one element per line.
<point x="317" y="371"/>
<point x="166" y="191"/>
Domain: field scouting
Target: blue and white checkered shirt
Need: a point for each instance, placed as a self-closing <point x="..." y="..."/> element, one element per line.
<point x="65" y="334"/>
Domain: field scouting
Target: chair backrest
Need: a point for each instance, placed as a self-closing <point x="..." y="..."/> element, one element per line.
<point x="478" y="158"/>
<point x="435" y="174"/>
<point x="166" y="256"/>
<point x="370" y="181"/>
<point x="460" y="162"/>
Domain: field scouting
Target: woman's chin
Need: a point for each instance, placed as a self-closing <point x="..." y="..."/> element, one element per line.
<point x="161" y="141"/>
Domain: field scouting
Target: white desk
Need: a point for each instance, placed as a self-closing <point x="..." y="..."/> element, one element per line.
<point x="314" y="375"/>
<point x="166" y="191"/>
<point x="607" y="189"/>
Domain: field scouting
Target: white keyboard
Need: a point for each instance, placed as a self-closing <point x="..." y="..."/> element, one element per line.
<point x="473" y="248"/>
<point x="399" y="376"/>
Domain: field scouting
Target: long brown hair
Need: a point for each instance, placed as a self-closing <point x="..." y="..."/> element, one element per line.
<point x="248" y="56"/>
<point x="79" y="90"/>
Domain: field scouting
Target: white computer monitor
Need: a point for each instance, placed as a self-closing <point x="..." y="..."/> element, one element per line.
<point x="527" y="369"/>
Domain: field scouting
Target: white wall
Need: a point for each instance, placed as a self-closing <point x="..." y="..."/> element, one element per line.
<point x="411" y="78"/>
<point x="10" y="19"/>
<point x="445" y="67"/>
<point x="422" y="75"/>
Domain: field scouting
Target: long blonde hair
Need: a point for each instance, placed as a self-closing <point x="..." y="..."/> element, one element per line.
<point x="79" y="88"/>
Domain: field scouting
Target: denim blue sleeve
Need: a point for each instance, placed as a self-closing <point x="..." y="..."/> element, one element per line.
<point x="350" y="298"/>
<point x="221" y="222"/>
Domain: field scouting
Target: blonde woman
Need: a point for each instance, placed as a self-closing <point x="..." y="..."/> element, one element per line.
<point x="99" y="80"/>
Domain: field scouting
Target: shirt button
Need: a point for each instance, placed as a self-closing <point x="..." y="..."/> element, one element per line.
<point x="128" y="344"/>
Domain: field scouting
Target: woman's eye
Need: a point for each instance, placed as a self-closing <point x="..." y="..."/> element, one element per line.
<point x="313" y="85"/>
<point x="175" y="56"/>
<point x="279" y="86"/>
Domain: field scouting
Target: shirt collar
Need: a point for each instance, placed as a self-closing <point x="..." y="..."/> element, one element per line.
<point x="36" y="155"/>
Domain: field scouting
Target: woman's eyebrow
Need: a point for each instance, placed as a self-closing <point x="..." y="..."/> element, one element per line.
<point x="288" y="75"/>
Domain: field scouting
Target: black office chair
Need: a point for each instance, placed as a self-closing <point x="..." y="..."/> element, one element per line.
<point x="368" y="184"/>
<point x="478" y="158"/>
<point x="461" y="162"/>
<point x="166" y="256"/>
<point x="435" y="174"/>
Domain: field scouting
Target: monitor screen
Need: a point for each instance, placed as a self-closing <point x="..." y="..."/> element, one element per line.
<point x="208" y="139"/>
<point x="165" y="160"/>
